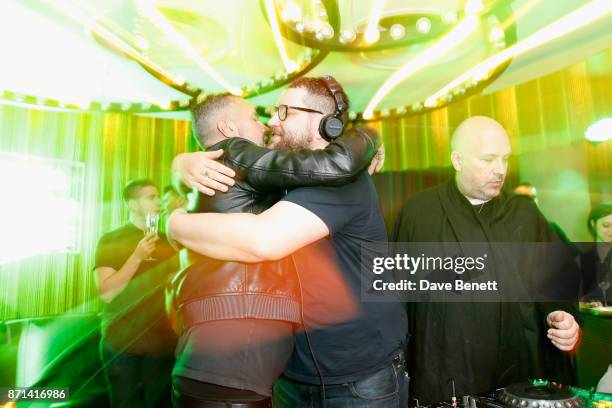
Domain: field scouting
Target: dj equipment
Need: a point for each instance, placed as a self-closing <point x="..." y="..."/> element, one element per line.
<point x="533" y="394"/>
<point x="539" y="394"/>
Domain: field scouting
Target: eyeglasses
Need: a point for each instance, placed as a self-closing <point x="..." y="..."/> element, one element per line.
<point x="283" y="109"/>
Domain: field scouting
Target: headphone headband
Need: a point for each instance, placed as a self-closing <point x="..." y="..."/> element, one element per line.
<point x="336" y="90"/>
<point x="331" y="126"/>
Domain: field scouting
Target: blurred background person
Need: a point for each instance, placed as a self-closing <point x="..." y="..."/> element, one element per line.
<point x="528" y="190"/>
<point x="596" y="263"/>
<point x="132" y="264"/>
<point x="171" y="200"/>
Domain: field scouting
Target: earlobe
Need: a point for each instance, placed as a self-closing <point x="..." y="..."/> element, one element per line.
<point x="456" y="160"/>
<point x="223" y="128"/>
<point x="132" y="206"/>
<point x="232" y="129"/>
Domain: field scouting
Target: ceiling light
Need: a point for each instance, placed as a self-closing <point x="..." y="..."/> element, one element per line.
<point x="423" y="25"/>
<point x="450" y="17"/>
<point x="347" y="36"/>
<point x="599" y="131"/>
<point x="327" y="31"/>
<point x="371" y="34"/>
<point x="436" y="51"/>
<point x="165" y="105"/>
<point x="430" y="102"/>
<point x="496" y="35"/>
<point x="397" y="31"/>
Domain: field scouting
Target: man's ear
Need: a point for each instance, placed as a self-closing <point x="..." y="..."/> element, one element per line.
<point x="132" y="205"/>
<point x="456" y="160"/>
<point x="227" y="128"/>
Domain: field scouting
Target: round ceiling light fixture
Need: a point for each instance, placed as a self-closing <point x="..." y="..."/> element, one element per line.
<point x="423" y="25"/>
<point x="397" y="31"/>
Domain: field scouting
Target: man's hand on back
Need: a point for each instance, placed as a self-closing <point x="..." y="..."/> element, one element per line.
<point x="378" y="161"/>
<point x="200" y="171"/>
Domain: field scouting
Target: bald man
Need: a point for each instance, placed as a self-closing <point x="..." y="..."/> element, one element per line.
<point x="481" y="346"/>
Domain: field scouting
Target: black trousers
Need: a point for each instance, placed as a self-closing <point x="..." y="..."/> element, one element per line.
<point x="137" y="380"/>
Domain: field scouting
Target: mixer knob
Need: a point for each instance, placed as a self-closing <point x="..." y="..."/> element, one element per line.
<point x="523" y="403"/>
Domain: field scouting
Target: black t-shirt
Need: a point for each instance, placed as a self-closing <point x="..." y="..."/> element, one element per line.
<point x="135" y="320"/>
<point x="350" y="338"/>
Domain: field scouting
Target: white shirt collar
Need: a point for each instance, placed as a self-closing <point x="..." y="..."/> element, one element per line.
<point x="476" y="201"/>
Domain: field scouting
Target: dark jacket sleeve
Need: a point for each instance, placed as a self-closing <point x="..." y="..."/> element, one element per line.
<point x="338" y="164"/>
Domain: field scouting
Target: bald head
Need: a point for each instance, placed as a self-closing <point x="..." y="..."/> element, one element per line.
<point x="224" y="116"/>
<point x="476" y="130"/>
<point x="480" y="150"/>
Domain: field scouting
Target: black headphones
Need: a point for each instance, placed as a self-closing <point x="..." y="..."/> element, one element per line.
<point x="331" y="126"/>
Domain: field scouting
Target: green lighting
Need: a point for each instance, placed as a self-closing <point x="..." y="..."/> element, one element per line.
<point x="599" y="131"/>
<point x="42" y="212"/>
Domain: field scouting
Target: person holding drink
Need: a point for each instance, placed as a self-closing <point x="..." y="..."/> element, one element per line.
<point x="132" y="265"/>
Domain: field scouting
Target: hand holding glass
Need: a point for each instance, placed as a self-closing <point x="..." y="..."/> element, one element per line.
<point x="151" y="228"/>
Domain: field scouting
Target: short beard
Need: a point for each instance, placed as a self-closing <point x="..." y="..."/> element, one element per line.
<point x="294" y="141"/>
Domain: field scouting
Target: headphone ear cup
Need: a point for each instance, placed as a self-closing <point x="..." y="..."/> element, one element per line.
<point x="330" y="127"/>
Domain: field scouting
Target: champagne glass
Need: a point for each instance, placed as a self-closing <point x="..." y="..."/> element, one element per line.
<point x="151" y="227"/>
<point x="604" y="285"/>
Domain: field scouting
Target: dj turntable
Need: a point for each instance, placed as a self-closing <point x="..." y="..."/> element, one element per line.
<point x="534" y="394"/>
<point x="539" y="394"/>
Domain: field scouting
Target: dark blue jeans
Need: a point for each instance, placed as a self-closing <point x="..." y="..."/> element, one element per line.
<point x="384" y="389"/>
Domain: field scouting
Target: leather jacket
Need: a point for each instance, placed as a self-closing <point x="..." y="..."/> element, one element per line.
<point x="210" y="289"/>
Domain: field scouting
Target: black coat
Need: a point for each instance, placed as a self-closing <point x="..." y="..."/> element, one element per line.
<point x="481" y="346"/>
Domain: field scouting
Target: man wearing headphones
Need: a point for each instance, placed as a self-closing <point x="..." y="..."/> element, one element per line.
<point x="235" y="320"/>
<point x="349" y="351"/>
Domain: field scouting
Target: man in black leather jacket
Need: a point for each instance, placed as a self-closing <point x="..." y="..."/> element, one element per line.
<point x="350" y="351"/>
<point x="236" y="319"/>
